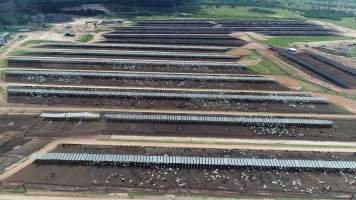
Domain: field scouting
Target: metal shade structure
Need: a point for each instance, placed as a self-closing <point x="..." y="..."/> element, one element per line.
<point x="179" y="161"/>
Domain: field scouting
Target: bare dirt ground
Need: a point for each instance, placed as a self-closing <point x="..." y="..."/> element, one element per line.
<point x="341" y="59"/>
<point x="248" y="62"/>
<point x="43" y="195"/>
<point x="239" y="52"/>
<point x="34" y="109"/>
<point x="55" y="32"/>
<point x="287" y="81"/>
<point x="281" y="63"/>
<point x="191" y="142"/>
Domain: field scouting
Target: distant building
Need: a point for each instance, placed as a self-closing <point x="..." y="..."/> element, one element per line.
<point x="4" y="37"/>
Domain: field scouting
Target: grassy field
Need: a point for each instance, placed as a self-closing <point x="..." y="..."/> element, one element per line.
<point x="86" y="38"/>
<point x="31" y="43"/>
<point x="239" y="12"/>
<point x="265" y="66"/>
<point x="348" y="22"/>
<point x="285" y="41"/>
<point x="232" y="13"/>
<point x="352" y="52"/>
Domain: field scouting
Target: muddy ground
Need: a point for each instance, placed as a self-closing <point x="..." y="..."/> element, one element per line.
<point x="118" y="56"/>
<point x="331" y="69"/>
<point x="342" y="131"/>
<point x="131" y="48"/>
<point x="112" y="67"/>
<point x="351" y="81"/>
<point x="181" y="104"/>
<point x="241" y="85"/>
<point x="184" y="181"/>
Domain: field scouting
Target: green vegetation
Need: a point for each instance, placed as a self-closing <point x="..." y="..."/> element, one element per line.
<point x="351" y="52"/>
<point x="32" y="43"/>
<point x="311" y="87"/>
<point x="327" y="14"/>
<point x="18" y="52"/>
<point x="2" y="49"/>
<point x="3" y="63"/>
<point x="240" y="12"/>
<point x="262" y="10"/>
<point x="265" y="66"/>
<point x="285" y="41"/>
<point x="100" y="30"/>
<point x="86" y="38"/>
<point x="13" y="190"/>
<point x="348" y="22"/>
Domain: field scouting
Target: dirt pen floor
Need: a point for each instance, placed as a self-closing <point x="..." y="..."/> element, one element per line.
<point x="343" y="130"/>
<point x="332" y="70"/>
<point x="15" y="123"/>
<point x="123" y="56"/>
<point x="136" y="47"/>
<point x="258" y="182"/>
<point x="182" y="104"/>
<point x="60" y="64"/>
<point x="121" y="82"/>
<point x="13" y="145"/>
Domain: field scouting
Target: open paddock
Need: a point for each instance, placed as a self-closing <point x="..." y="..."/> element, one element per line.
<point x="323" y="70"/>
<point x="278" y="31"/>
<point x="171" y="99"/>
<point x="211" y="180"/>
<point x="82" y="124"/>
<point x="142" y="79"/>
<point x="126" y="65"/>
<point x="137" y="47"/>
<point x="144" y="55"/>
<point x="213" y="42"/>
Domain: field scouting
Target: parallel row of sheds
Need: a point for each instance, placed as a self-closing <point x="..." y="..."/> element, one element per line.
<point x="161" y="94"/>
<point x="319" y="70"/>
<point x="187" y="119"/>
<point x="226" y="27"/>
<point x="188" y="162"/>
<point x="338" y="65"/>
<point x="223" y="23"/>
<point x="139" y="75"/>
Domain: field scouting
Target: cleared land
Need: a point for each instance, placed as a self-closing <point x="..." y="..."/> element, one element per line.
<point x="184" y="85"/>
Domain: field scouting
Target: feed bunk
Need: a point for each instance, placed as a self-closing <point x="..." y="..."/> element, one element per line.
<point x="187" y="162"/>
<point x="126" y="46"/>
<point x="317" y="70"/>
<point x="157" y="94"/>
<point x="187" y="119"/>
<point x="333" y="63"/>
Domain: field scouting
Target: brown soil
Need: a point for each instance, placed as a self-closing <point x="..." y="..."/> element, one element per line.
<point x="239" y="52"/>
<point x="342" y="131"/>
<point x="183" y="180"/>
<point x="287" y="81"/>
<point x="181" y="104"/>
